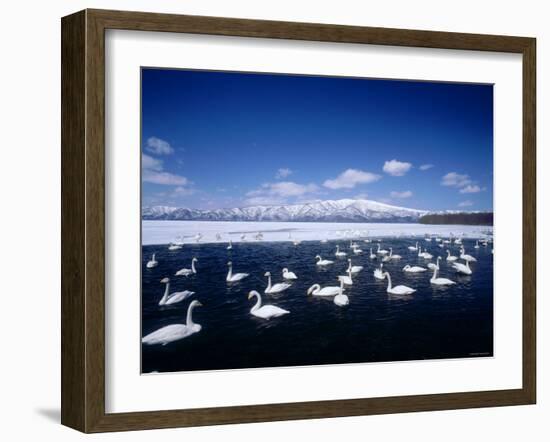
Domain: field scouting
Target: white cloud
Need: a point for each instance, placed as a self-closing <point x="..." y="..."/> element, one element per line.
<point x="350" y="178"/>
<point x="158" y="146"/>
<point x="426" y="166"/>
<point x="396" y="168"/>
<point x="153" y="172"/>
<point x="283" y="172"/>
<point x="471" y="189"/>
<point x="404" y="194"/>
<point x="454" y="179"/>
<point x="279" y="192"/>
<point x="466" y="203"/>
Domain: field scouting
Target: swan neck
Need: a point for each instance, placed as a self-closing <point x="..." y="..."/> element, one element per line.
<point x="268" y="282"/>
<point x="193" y="266"/>
<point x="165" y="296"/>
<point x="230" y="272"/>
<point x="189" y="322"/>
<point x="389" y="280"/>
<point x="258" y="302"/>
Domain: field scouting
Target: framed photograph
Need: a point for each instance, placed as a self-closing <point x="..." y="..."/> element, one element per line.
<point x="268" y="220"/>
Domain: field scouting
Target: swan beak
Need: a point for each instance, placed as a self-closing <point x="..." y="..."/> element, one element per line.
<point x="199" y="304"/>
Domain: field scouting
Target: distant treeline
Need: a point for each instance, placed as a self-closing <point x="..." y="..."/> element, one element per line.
<point x="475" y="219"/>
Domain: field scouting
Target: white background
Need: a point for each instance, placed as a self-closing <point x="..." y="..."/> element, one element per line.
<point x="128" y="391"/>
<point x="29" y="182"/>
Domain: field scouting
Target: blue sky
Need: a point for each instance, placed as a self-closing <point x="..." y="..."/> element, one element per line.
<point x="219" y="139"/>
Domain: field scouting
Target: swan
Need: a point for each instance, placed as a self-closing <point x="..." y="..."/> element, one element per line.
<point x="316" y="290"/>
<point x="267" y="311"/>
<point x="461" y="268"/>
<point x="174" y="332"/>
<point x="414" y="269"/>
<point x="398" y="289"/>
<point x="276" y="288"/>
<point x="289" y="275"/>
<point x="338" y="253"/>
<point x="152" y="263"/>
<point x="174" y="246"/>
<point x="323" y="262"/>
<point x="346" y="279"/>
<point x="340" y="299"/>
<point x="440" y="281"/>
<point x="392" y="256"/>
<point x="428" y="239"/>
<point x="432" y="266"/>
<point x="187" y="272"/>
<point x="357" y="251"/>
<point x="378" y="273"/>
<point x="372" y="255"/>
<point x="450" y="257"/>
<point x="466" y="257"/>
<point x="234" y="277"/>
<point x="424" y="254"/>
<point x="230" y="246"/>
<point x="381" y="251"/>
<point x="413" y="248"/>
<point x="173" y="298"/>
<point x="324" y="241"/>
<point x="354" y="269"/>
<point x="458" y="241"/>
<point x="477" y="245"/>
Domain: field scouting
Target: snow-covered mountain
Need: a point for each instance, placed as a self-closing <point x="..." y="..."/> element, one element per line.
<point x="344" y="210"/>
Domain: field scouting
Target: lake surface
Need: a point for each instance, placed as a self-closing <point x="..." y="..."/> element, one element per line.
<point x="433" y="323"/>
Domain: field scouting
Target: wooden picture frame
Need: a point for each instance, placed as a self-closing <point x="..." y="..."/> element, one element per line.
<point x="83" y="220"/>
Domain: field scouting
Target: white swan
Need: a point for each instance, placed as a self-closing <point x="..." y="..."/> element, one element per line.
<point x="398" y="289"/>
<point x="340" y="299"/>
<point x="276" y="288"/>
<point x="428" y="239"/>
<point x="466" y="257"/>
<point x="323" y="262"/>
<point x="174" y="246"/>
<point x="234" y="277"/>
<point x="230" y="246"/>
<point x="440" y="281"/>
<point x="267" y="311"/>
<point x="316" y="290"/>
<point x="357" y="251"/>
<point x="461" y="268"/>
<point x="372" y="255"/>
<point x="289" y="275"/>
<point x="458" y="241"/>
<point x="450" y="257"/>
<point x="354" y="269"/>
<point x="187" y="272"/>
<point x="338" y="253"/>
<point x="392" y="256"/>
<point x="424" y="254"/>
<point x="174" y="332"/>
<point x="173" y="298"/>
<point x="152" y="263"/>
<point x="477" y="245"/>
<point x="381" y="251"/>
<point x="378" y="273"/>
<point x="432" y="266"/>
<point x="414" y="269"/>
<point x="413" y="248"/>
<point x="346" y="279"/>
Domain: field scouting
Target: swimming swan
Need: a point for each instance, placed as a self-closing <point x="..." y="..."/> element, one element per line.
<point x="152" y="263"/>
<point x="346" y="279"/>
<point x="316" y="290"/>
<point x="289" y="275"/>
<point x="466" y="257"/>
<point x="276" y="288"/>
<point x="234" y="277"/>
<point x="173" y="298"/>
<point x="381" y="251"/>
<point x="187" y="272"/>
<point x="450" y="257"/>
<point x="174" y="332"/>
<point x="432" y="266"/>
<point x="230" y="246"/>
<point x="267" y="311"/>
<point x="414" y="269"/>
<point x="372" y="255"/>
<point x="354" y="269"/>
<point x="413" y="248"/>
<point x="340" y="299"/>
<point x="398" y="289"/>
<point x="338" y="253"/>
<point x="323" y="262"/>
<point x="461" y="268"/>
<point x="378" y="273"/>
<point x="440" y="281"/>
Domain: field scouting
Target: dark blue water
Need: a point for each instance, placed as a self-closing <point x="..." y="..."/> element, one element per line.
<point x="433" y="323"/>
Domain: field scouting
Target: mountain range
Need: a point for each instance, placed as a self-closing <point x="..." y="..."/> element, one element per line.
<point x="344" y="210"/>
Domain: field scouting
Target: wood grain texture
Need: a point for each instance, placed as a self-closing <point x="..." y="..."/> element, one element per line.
<point x="83" y="220"/>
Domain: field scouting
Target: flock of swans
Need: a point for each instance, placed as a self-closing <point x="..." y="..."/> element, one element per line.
<point x="174" y="332"/>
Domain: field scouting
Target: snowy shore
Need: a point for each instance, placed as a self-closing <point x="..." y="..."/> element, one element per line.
<point x="165" y="232"/>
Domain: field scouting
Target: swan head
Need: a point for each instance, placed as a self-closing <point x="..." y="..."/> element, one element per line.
<point x="313" y="287"/>
<point x="229" y="263"/>
<point x="165" y="280"/>
<point x="267" y="274"/>
<point x="195" y="303"/>
<point x="252" y="293"/>
<point x="407" y="267"/>
<point x="285" y="270"/>
<point x="318" y="257"/>
<point x="194" y="259"/>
